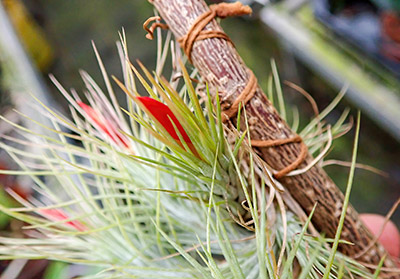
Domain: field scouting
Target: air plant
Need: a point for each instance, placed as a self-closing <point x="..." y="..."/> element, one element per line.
<point x="162" y="188"/>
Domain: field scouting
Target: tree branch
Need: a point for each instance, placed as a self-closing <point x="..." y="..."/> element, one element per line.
<point x="221" y="67"/>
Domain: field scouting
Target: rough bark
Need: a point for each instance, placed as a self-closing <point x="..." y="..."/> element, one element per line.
<point x="221" y="66"/>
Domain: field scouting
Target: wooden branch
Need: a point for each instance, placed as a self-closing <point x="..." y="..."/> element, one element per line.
<point x="221" y="66"/>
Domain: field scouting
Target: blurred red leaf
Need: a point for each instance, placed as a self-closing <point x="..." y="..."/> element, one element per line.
<point x="59" y="215"/>
<point x="10" y="181"/>
<point x="107" y="127"/>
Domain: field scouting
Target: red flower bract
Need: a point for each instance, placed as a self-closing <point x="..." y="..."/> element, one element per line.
<point x="167" y="119"/>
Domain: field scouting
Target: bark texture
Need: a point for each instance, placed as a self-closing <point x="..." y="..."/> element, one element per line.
<point x="221" y="66"/>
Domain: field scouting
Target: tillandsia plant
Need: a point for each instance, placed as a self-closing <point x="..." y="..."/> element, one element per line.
<point x="161" y="188"/>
